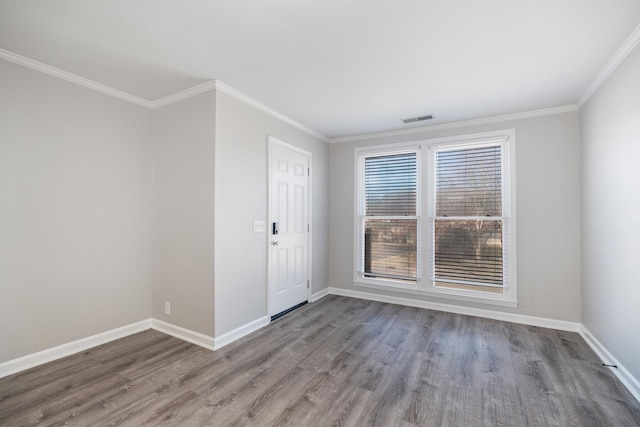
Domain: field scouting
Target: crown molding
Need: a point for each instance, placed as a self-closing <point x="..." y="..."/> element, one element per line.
<point x="222" y="87"/>
<point x="461" y="124"/>
<point x="624" y="51"/>
<point x="170" y="99"/>
<point x="73" y="78"/>
<point x="184" y="94"/>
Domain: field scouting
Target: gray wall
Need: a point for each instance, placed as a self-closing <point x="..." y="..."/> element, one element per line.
<point x="610" y="128"/>
<point x="548" y="214"/>
<point x="183" y="215"/>
<point x="241" y="198"/>
<point x="75" y="203"/>
<point x="92" y="212"/>
<point x="109" y="209"/>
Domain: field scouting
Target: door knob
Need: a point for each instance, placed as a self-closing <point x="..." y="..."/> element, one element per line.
<point x="275" y="243"/>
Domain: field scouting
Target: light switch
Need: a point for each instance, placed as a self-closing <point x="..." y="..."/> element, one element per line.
<point x="258" y="226"/>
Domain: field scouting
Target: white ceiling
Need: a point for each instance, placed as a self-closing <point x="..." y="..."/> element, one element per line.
<point x="340" y="67"/>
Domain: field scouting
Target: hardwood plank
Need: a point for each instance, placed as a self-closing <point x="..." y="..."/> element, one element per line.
<point x="337" y="362"/>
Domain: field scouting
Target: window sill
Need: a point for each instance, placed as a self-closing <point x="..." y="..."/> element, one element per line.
<point x="415" y="290"/>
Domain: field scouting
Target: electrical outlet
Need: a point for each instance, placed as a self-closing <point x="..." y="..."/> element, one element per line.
<point x="167" y="308"/>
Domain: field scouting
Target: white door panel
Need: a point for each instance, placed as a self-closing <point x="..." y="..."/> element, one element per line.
<point x="289" y="247"/>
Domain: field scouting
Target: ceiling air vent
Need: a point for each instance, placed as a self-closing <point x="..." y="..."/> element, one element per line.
<point x="419" y="119"/>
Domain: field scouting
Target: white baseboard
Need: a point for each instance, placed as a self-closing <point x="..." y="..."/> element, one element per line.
<point x="184" y="334"/>
<point x="562" y="325"/>
<point x="29" y="361"/>
<point x="236" y="334"/>
<point x="625" y="377"/>
<point x="319" y="295"/>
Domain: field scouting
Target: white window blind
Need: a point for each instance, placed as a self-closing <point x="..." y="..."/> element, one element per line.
<point x="389" y="223"/>
<point x="468" y="225"/>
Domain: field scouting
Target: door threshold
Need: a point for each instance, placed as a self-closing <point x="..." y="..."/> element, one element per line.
<point x="287" y="311"/>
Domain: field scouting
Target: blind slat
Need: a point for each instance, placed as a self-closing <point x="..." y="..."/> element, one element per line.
<point x="390" y="185"/>
<point x="391" y="248"/>
<point x="390" y="190"/>
<point x="468" y="184"/>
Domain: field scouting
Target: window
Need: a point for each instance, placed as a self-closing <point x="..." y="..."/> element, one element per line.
<point x="388" y="220"/>
<point x="469" y="234"/>
<point x="468" y="221"/>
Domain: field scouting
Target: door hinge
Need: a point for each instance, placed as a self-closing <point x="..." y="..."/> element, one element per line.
<point x="307" y="284"/>
<point x="308" y="227"/>
<point x="308" y="171"/>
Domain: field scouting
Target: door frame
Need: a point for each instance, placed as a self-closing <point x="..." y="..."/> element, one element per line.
<point x="271" y="141"/>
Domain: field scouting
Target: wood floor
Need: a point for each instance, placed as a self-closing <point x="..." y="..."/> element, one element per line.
<point x="338" y="361"/>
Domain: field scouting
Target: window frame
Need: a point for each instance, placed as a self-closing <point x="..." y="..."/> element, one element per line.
<point x="425" y="198"/>
<point x="506" y="140"/>
<point x="360" y="155"/>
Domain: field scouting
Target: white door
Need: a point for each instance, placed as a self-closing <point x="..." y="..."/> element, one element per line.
<point x="288" y="228"/>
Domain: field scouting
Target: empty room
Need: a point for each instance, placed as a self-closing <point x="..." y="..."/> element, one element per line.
<point x="329" y="213"/>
